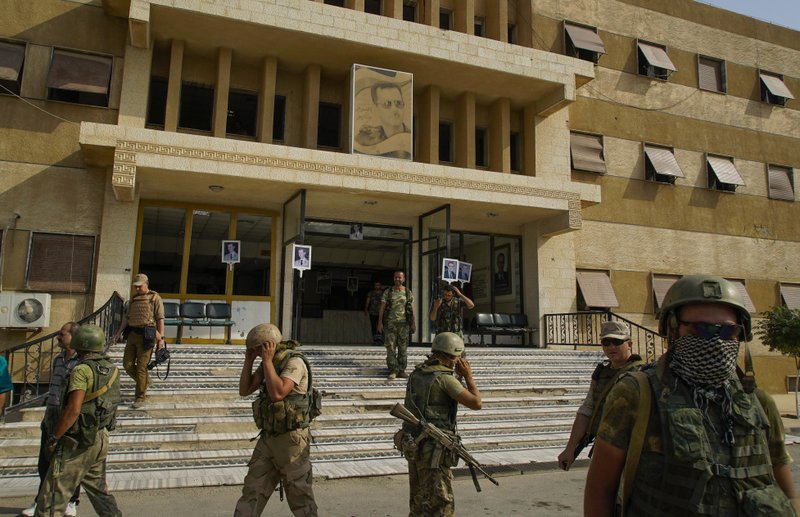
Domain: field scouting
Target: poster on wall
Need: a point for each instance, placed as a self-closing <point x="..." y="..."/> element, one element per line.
<point x="380" y="117"/>
<point x="352" y="284"/>
<point x="356" y="231"/>
<point x="502" y="273"/>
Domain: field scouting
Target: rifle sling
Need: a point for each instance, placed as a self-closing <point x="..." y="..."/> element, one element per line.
<point x="474" y="477"/>
<point x="93" y="395"/>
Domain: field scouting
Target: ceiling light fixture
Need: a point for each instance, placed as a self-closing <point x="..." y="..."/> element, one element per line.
<point x="216" y="188"/>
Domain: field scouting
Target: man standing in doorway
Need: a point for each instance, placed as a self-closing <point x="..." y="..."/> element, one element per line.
<point x="145" y="319"/>
<point x="447" y="311"/>
<point x="395" y="319"/>
<point x="372" y="309"/>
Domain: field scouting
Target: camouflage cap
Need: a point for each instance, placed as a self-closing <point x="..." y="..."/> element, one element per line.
<point x="140" y="279"/>
<point x="615" y="330"/>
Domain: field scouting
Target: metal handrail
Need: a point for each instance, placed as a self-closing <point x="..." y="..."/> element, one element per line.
<point x="33" y="358"/>
<point x="583" y="329"/>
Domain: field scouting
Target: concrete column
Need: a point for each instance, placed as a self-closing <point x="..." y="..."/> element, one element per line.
<point x="497" y="21"/>
<point x="266" y="99"/>
<point x="393" y="9"/>
<point x="552" y="145"/>
<point x="174" y="86"/>
<point x="464" y="16"/>
<point x="219" y="117"/>
<point x="116" y="246"/>
<point x="428" y="125"/>
<point x="500" y="136"/>
<point x="430" y="12"/>
<point x="356" y="5"/>
<point x="529" y="140"/>
<point x="525" y="28"/>
<point x="135" y="86"/>
<point x="310" y="115"/>
<point x="465" y="131"/>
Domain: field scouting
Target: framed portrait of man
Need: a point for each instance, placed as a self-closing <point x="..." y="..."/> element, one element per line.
<point x="356" y="231"/>
<point x="302" y="257"/>
<point x="502" y="269"/>
<point x="381" y="112"/>
<point x="464" y="272"/>
<point x="352" y="284"/>
<point x="449" y="269"/>
<point x="230" y="252"/>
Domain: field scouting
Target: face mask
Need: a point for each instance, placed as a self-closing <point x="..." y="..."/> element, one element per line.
<point x="704" y="361"/>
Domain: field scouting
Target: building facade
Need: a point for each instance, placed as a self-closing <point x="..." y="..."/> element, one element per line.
<point x="577" y="154"/>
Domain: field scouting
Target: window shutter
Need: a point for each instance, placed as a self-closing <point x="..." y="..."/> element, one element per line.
<point x="61" y="262"/>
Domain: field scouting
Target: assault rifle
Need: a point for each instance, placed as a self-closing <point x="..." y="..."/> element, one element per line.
<point x="431" y="431"/>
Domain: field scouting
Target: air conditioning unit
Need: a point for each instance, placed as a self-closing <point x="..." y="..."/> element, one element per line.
<point x="24" y="310"/>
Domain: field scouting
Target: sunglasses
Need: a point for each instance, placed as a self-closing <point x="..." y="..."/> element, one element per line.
<point x="709" y="330"/>
<point x="610" y="341"/>
<point x="388" y="104"/>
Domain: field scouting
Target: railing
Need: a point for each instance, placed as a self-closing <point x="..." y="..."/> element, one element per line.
<point x="28" y="362"/>
<point x="583" y="329"/>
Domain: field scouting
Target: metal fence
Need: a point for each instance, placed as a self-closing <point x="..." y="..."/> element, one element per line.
<point x="29" y="363"/>
<point x="583" y="329"/>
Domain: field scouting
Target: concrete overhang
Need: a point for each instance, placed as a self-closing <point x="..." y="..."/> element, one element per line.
<point x="181" y="167"/>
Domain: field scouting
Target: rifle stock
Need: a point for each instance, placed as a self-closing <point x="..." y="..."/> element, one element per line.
<point x="436" y="434"/>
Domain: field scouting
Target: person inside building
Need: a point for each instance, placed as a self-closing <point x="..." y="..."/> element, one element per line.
<point x="396" y="322"/>
<point x="615" y="337"/>
<point x="372" y="309"/>
<point x="143" y="319"/>
<point x="63" y="364"/>
<point x="433" y="394"/>
<point x="78" y="445"/>
<point x="282" y="412"/>
<point x="702" y="442"/>
<point x="447" y="311"/>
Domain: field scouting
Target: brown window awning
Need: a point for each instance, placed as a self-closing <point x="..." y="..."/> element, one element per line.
<point x="791" y="295"/>
<point x="596" y="289"/>
<point x="11" y="57"/>
<point x="775" y="85"/>
<point x="663" y="160"/>
<point x="661" y="285"/>
<point x="79" y="72"/>
<point x="585" y="39"/>
<point x="748" y="303"/>
<point x="725" y="170"/>
<point x="656" y="56"/>
<point x="780" y="182"/>
<point x="587" y="152"/>
<point x="709" y="73"/>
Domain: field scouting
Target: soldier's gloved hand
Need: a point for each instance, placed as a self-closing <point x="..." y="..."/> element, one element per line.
<point x="52" y="446"/>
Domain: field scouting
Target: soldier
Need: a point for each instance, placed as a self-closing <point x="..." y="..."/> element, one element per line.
<point x="78" y="446"/>
<point x="283" y="412"/>
<point x="144" y="319"/>
<point x="710" y="445"/>
<point x="447" y="311"/>
<point x="615" y="337"/>
<point x="433" y="393"/>
<point x="395" y="318"/>
<point x="371" y="309"/>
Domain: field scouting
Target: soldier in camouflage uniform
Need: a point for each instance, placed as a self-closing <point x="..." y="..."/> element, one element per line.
<point x="433" y="394"/>
<point x="78" y="447"/>
<point x="447" y="311"/>
<point x="395" y="318"/>
<point x="711" y="444"/>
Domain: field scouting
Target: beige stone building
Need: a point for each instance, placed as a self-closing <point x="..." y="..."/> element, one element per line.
<point x="577" y="154"/>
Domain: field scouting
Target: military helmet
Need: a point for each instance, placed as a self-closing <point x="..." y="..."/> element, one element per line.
<point x="89" y="338"/>
<point x="262" y="333"/>
<point x="702" y="289"/>
<point x="448" y="343"/>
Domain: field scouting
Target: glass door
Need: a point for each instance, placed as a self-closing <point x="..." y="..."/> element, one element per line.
<point x="292" y="286"/>
<point x="434" y="246"/>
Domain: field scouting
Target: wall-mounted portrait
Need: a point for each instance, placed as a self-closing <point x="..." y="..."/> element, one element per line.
<point x="464" y="271"/>
<point x="302" y="256"/>
<point x="449" y="269"/>
<point x="356" y="231"/>
<point x="230" y="252"/>
<point x="352" y="284"/>
<point x="380" y="117"/>
<point x="502" y="269"/>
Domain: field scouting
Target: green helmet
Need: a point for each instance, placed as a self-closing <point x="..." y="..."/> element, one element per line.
<point x="449" y="343"/>
<point x="89" y="338"/>
<point x="702" y="289"/>
<point x="262" y="333"/>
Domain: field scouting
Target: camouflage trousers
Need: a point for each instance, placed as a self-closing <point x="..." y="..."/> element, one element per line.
<point x="396" y="341"/>
<point x="283" y="458"/>
<point x="135" y="361"/>
<point x="431" y="490"/>
<point x="70" y="468"/>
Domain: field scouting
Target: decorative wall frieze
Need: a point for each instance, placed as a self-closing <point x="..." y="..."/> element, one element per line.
<point x="123" y="176"/>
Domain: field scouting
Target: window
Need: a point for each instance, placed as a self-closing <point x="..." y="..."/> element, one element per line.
<point x="161" y="250"/>
<point x="12" y="59"/>
<point x="445" y="142"/>
<point x="445" y="19"/>
<point x="773" y="89"/>
<point x="748" y="303"/>
<point x="373" y="6"/>
<point x="207" y="273"/>
<point x="791" y="295"/>
<point x="60" y="262"/>
<point x="512" y="33"/>
<point x="337" y="3"/>
<point x="781" y="182"/>
<point x="595" y="290"/>
<point x="660" y="164"/>
<point x="329" y="126"/>
<point x="654" y="61"/>
<point x="197" y="103"/>
<point x="711" y="74"/>
<point x="252" y="274"/>
<point x="410" y="10"/>
<point x="661" y="284"/>
<point x="242" y="113"/>
<point x="583" y="42"/>
<point x="279" y="119"/>
<point x="722" y="173"/>
<point x="481" y="147"/>
<point x="478" y="26"/>
<point x="157" y="101"/>
<point x="586" y="152"/>
<point x="515" y="148"/>
<point x="79" y="78"/>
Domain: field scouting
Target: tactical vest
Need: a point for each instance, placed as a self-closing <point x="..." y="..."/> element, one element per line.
<point x="604" y="376"/>
<point x="697" y="474"/>
<point x="99" y="408"/>
<point x="426" y="399"/>
<point x="295" y="411"/>
<point x="140" y="310"/>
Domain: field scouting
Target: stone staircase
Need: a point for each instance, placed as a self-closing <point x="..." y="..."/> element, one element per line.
<point x="197" y="431"/>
